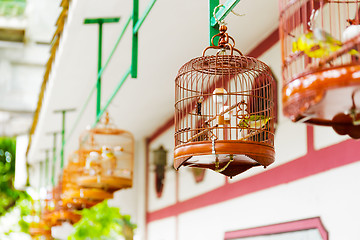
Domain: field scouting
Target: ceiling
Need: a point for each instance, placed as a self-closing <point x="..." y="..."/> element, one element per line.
<point x="24" y="50"/>
<point x="173" y="33"/>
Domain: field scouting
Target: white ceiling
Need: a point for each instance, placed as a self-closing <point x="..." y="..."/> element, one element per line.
<point x="174" y="32"/>
<point x="22" y="64"/>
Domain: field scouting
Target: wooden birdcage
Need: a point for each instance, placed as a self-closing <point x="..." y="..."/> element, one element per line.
<point x="38" y="227"/>
<point x="224" y="111"/>
<point x="320" y="61"/>
<point x="112" y="169"/>
<point x="56" y="212"/>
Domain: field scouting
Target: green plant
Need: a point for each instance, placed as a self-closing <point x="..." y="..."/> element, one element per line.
<point x="102" y="222"/>
<point x="12" y="201"/>
<point x="8" y="195"/>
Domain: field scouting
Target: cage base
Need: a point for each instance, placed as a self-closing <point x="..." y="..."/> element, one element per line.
<point x="92" y="193"/>
<point x="39" y="231"/>
<point x="57" y="217"/>
<point x="234" y="157"/>
<point x="323" y="97"/>
<point x="111" y="183"/>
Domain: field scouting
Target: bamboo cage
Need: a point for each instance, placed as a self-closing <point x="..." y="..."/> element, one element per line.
<point x="38" y="229"/>
<point x="75" y="196"/>
<point x="320" y="63"/>
<point x="224" y="111"/>
<point x="55" y="212"/>
<point x="107" y="156"/>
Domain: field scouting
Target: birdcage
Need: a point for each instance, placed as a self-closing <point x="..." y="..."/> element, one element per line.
<point x="320" y="62"/>
<point x="55" y="212"/>
<point x="38" y="227"/>
<point x="224" y="111"/>
<point x="107" y="154"/>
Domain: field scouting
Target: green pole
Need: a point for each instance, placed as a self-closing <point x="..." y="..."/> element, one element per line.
<point x="40" y="174"/>
<point x="46" y="167"/>
<point x="62" y="141"/>
<point x="100" y="22"/>
<point x="135" y="40"/>
<point x="213" y="30"/>
<point x="98" y="83"/>
<point x="54" y="160"/>
<point x="63" y="112"/>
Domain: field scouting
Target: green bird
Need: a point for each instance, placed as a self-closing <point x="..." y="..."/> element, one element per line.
<point x="254" y="122"/>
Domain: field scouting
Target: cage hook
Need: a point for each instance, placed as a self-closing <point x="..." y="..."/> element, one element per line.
<point x="222" y="22"/>
<point x="231" y="158"/>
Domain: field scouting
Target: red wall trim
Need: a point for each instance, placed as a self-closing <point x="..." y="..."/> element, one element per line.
<point x="304" y="224"/>
<point x="313" y="163"/>
<point x="265" y="45"/>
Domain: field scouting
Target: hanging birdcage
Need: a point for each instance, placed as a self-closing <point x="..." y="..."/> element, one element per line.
<point x="224" y="111"/>
<point x="38" y="227"/>
<point x="107" y="154"/>
<point x="55" y="211"/>
<point x="74" y="196"/>
<point x="320" y="42"/>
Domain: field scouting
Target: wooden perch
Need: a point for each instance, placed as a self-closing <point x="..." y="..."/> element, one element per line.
<point x="202" y="133"/>
<point x="222" y="113"/>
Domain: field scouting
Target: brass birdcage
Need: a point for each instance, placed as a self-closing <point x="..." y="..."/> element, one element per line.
<point x="224" y="111"/>
<point x="320" y="62"/>
<point x="107" y="154"/>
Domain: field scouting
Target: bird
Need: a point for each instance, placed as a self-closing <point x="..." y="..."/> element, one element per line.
<point x="254" y="122"/>
<point x="316" y="43"/>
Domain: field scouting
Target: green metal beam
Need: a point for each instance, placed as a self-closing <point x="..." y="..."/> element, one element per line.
<point x="41" y="169"/>
<point x="46" y="169"/>
<point x="143" y="17"/>
<point x="63" y="112"/>
<point x="100" y="22"/>
<point x="222" y="12"/>
<point x="115" y="47"/>
<point x="54" y="158"/>
<point x="213" y="30"/>
<point x="135" y="40"/>
<point x="123" y="79"/>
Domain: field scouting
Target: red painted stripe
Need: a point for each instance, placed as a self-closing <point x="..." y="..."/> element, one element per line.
<point x="313" y="163"/>
<point x="265" y="45"/>
<point x="162" y="129"/>
<point x="304" y="224"/>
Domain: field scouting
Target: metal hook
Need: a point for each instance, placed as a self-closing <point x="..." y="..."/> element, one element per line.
<point x="222" y="22"/>
<point x="231" y="159"/>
